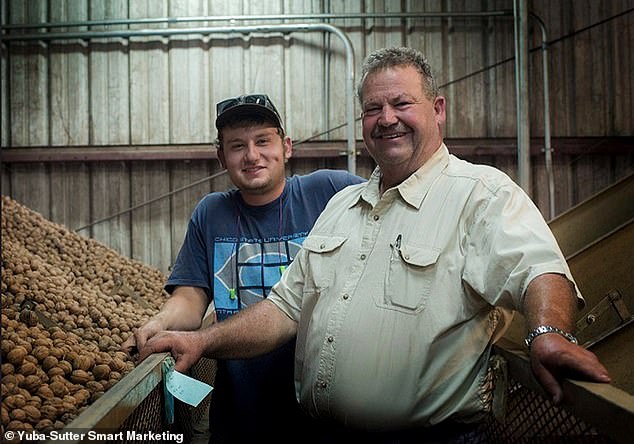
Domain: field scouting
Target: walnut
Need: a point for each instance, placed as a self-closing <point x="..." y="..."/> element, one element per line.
<point x="96" y="396"/>
<point x="31" y="383"/>
<point x="17" y="415"/>
<point x="83" y="362"/>
<point x="82" y="396"/>
<point x="117" y="365"/>
<point x="43" y="342"/>
<point x="40" y="352"/>
<point x="101" y="371"/>
<point x="56" y="371"/>
<point x="35" y="401"/>
<point x="58" y="388"/>
<point x="7" y="345"/>
<point x="32" y="413"/>
<point x="5" y="416"/>
<point x="66" y="366"/>
<point x="48" y="411"/>
<point x="102" y="358"/>
<point x="10" y="379"/>
<point x="44" y="425"/>
<point x="80" y="376"/>
<point x="45" y="392"/>
<point x="58" y="333"/>
<point x="49" y="362"/>
<point x="17" y="355"/>
<point x="26" y="369"/>
<point x="7" y="369"/>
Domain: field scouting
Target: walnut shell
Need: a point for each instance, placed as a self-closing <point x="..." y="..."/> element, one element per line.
<point x="31" y="383"/>
<point x="117" y="365"/>
<point x="45" y="392"/>
<point x="101" y="371"/>
<point x="56" y="371"/>
<point x="49" y="411"/>
<point x="94" y="386"/>
<point x="40" y="352"/>
<point x="66" y="366"/>
<point x="56" y="352"/>
<point x="17" y="355"/>
<point x="82" y="396"/>
<point x="44" y="425"/>
<point x="83" y="362"/>
<point x="27" y="368"/>
<point x="17" y="415"/>
<point x="32" y="413"/>
<point x="49" y="362"/>
<point x="80" y="377"/>
<point x="5" y="416"/>
<point x="10" y="380"/>
<point x="58" y="388"/>
<point x="7" y="369"/>
<point x="7" y="345"/>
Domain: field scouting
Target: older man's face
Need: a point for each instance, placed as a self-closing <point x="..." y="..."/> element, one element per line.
<point x="401" y="126"/>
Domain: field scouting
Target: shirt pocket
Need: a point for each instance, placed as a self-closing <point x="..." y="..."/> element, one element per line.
<point x="322" y="260"/>
<point x="409" y="277"/>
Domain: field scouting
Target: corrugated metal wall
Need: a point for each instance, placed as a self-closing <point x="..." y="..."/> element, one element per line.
<point x="157" y="90"/>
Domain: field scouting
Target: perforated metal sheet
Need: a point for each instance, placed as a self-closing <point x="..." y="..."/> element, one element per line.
<point x="532" y="418"/>
<point x="149" y="416"/>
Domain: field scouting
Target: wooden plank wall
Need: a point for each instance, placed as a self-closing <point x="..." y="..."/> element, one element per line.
<point x="156" y="90"/>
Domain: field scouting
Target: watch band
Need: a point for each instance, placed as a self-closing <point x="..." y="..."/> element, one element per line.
<point x="542" y="329"/>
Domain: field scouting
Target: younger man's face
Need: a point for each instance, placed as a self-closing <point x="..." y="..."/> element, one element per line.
<point x="255" y="156"/>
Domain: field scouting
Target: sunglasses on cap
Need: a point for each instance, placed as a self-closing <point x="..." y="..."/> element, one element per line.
<point x="258" y="104"/>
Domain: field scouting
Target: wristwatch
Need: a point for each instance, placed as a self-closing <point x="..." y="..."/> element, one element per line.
<point x="542" y="329"/>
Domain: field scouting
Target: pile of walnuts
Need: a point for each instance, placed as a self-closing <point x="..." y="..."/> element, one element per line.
<point x="68" y="303"/>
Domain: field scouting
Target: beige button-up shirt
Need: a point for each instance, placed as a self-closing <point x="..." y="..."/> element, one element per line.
<point x="395" y="295"/>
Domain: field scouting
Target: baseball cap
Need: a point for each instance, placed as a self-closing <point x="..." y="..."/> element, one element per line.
<point x="251" y="104"/>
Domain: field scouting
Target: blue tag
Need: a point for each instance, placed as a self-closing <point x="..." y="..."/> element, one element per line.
<point x="186" y="389"/>
<point x="168" y="365"/>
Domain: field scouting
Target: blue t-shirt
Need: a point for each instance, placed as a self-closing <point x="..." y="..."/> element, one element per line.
<point x="236" y="253"/>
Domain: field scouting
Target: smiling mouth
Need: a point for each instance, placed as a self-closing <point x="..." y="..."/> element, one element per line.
<point x="390" y="136"/>
<point x="253" y="169"/>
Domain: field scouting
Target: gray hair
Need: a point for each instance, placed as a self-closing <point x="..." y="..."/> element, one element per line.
<point x="385" y="58"/>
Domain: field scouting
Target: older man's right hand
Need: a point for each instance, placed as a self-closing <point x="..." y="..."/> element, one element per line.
<point x="185" y="346"/>
<point x="135" y="343"/>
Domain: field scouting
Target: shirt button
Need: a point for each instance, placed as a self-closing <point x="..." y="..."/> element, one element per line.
<point x="345" y="297"/>
<point x="376" y="217"/>
<point x="363" y="257"/>
<point x="323" y="384"/>
<point x="330" y="339"/>
<point x="322" y="246"/>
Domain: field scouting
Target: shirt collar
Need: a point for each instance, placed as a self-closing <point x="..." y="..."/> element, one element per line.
<point x="413" y="189"/>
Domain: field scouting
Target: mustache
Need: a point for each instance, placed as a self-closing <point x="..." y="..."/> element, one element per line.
<point x="380" y="131"/>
